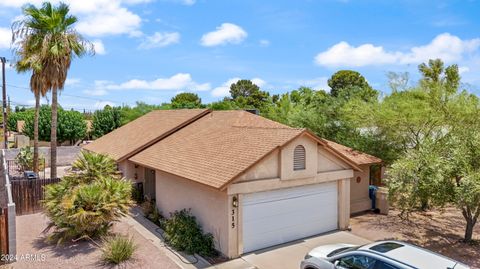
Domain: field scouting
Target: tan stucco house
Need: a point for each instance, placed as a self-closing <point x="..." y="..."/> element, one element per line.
<point x="250" y="181"/>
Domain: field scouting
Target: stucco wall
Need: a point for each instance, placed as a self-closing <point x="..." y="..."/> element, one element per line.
<point x="329" y="162"/>
<point x="286" y="159"/>
<point x="208" y="205"/>
<point x="128" y="169"/>
<point x="359" y="200"/>
<point x="279" y="164"/>
<point x="267" y="168"/>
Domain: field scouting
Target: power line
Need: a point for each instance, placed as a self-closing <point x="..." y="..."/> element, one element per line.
<point x="69" y="95"/>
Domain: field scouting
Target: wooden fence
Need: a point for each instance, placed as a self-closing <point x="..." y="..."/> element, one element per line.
<point x="4" y="231"/>
<point x="27" y="194"/>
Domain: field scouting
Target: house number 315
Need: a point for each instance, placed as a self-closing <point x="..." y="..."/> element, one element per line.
<point x="233" y="218"/>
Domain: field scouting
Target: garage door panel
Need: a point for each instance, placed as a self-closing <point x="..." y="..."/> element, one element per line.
<point x="279" y="216"/>
<point x="288" y="234"/>
<point x="275" y="195"/>
<point x="287" y="206"/>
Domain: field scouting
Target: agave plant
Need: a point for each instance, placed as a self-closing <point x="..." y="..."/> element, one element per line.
<point x="87" y="202"/>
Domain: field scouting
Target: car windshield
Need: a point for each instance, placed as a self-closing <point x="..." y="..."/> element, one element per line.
<point x="341" y="250"/>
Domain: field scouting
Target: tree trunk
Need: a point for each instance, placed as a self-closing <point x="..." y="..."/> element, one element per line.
<point x="53" y="135"/>
<point x="35" y="133"/>
<point x="469" y="230"/>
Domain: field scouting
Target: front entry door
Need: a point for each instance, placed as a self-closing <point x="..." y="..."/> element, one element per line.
<point x="149" y="183"/>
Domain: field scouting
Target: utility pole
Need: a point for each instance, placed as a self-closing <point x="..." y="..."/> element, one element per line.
<point x="4" y="95"/>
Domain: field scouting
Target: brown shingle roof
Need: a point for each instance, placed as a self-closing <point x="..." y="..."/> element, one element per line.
<point x="216" y="148"/>
<point x="356" y="156"/>
<point x="142" y="132"/>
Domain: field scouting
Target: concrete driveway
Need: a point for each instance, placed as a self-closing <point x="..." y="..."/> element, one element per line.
<point x="289" y="256"/>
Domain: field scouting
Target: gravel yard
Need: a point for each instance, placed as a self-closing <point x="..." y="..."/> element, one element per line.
<point x="439" y="231"/>
<point x="83" y="254"/>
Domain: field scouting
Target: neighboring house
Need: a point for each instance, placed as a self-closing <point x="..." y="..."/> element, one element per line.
<point x="250" y="181"/>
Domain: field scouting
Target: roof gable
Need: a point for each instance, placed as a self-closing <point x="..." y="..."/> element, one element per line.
<point x="142" y="132"/>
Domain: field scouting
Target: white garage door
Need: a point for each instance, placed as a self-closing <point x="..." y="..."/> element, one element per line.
<point x="275" y="217"/>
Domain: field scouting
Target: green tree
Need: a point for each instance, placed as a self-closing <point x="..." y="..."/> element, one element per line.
<point x="225" y="104"/>
<point x="129" y="114"/>
<point x="248" y="95"/>
<point x="71" y="125"/>
<point x="439" y="128"/>
<point x="52" y="43"/>
<point x="345" y="83"/>
<point x="106" y="120"/>
<point x="186" y="100"/>
<point x="434" y="74"/>
<point x="14" y="117"/>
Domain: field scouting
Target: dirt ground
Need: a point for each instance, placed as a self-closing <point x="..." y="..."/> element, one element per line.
<point x="439" y="231"/>
<point x="30" y="240"/>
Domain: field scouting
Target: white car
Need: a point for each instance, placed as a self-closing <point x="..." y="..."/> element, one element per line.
<point x="378" y="255"/>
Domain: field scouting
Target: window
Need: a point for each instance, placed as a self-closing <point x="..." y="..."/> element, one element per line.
<point x="355" y="262"/>
<point x="299" y="158"/>
<point x="386" y="247"/>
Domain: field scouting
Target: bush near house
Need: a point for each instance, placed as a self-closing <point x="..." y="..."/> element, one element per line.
<point x="183" y="233"/>
<point x="86" y="202"/>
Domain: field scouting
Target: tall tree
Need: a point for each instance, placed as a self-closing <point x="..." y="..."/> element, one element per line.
<point x="25" y="64"/>
<point x="343" y="82"/>
<point x="247" y="94"/>
<point x="435" y="74"/>
<point x="106" y="120"/>
<point x="53" y="43"/>
<point x="186" y="100"/>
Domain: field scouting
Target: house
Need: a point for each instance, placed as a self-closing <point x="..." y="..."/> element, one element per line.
<point x="250" y="181"/>
<point x="359" y="198"/>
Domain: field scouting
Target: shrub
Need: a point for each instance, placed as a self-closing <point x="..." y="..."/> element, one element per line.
<point x="183" y="233"/>
<point x="117" y="249"/>
<point x="147" y="208"/>
<point x="81" y="206"/>
<point x="25" y="159"/>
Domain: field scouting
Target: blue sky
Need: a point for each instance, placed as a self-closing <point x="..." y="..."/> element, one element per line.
<point x="150" y="50"/>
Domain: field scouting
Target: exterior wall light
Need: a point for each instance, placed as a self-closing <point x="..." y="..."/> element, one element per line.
<point x="235" y="201"/>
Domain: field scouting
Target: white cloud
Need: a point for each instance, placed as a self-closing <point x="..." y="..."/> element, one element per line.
<point x="224" y="89"/>
<point x="5" y="38"/>
<point x="320" y="83"/>
<point x="99" y="47"/>
<point x="180" y="81"/>
<point x="225" y="33"/>
<point x="72" y="81"/>
<point x="264" y="43"/>
<point x="107" y="18"/>
<point x="96" y="17"/>
<point x="259" y="82"/>
<point x="158" y="40"/>
<point x="463" y="69"/>
<point x="445" y="46"/>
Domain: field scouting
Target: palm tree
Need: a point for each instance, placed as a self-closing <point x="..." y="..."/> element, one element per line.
<point x="51" y="43"/>
<point x="27" y="63"/>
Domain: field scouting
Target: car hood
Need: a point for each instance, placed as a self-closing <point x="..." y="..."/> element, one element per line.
<point x="323" y="251"/>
